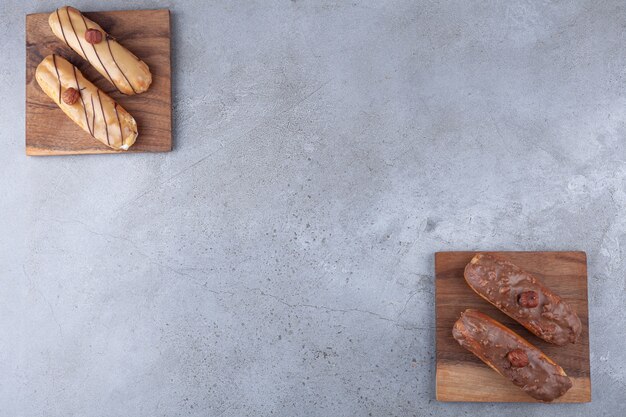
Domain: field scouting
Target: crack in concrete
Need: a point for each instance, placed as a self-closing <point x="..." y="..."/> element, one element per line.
<point x="52" y="313"/>
<point x="260" y="291"/>
<point x="406" y="304"/>
<point x="205" y="157"/>
<point x="336" y="310"/>
<point x="145" y="255"/>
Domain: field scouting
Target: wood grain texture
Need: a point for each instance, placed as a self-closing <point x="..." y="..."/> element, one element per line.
<point x="461" y="376"/>
<point x="146" y="33"/>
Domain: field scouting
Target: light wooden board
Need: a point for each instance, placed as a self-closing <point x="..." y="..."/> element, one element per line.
<point x="461" y="376"/>
<point x="146" y="33"/>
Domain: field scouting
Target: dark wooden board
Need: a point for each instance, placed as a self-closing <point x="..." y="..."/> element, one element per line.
<point x="144" y="32"/>
<point x="463" y="377"/>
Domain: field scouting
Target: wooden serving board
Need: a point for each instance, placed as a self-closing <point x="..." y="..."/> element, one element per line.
<point x="146" y="33"/>
<point x="461" y="376"/>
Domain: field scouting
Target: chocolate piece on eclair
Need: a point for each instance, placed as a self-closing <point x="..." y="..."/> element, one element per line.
<point x="511" y="356"/>
<point x="94" y="111"/>
<point x="524" y="298"/>
<point x="122" y="68"/>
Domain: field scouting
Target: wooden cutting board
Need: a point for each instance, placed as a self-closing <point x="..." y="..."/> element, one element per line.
<point x="146" y="33"/>
<point x="463" y="377"/>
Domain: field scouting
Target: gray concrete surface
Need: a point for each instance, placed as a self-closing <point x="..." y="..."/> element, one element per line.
<point x="280" y="260"/>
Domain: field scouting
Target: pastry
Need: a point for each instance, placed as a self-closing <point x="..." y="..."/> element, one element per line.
<point x="122" y="68"/>
<point x="524" y="298"/>
<point x="511" y="356"/>
<point x="93" y="110"/>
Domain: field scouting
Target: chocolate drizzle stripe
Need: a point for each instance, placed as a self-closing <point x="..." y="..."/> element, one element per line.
<point x="93" y="115"/>
<point x="61" y="26"/>
<point x="81" y="100"/>
<point x="54" y="60"/>
<point x="75" y="34"/>
<point x="118" y="66"/>
<point x="98" y="55"/>
<point x="120" y="124"/>
<point x="106" y="127"/>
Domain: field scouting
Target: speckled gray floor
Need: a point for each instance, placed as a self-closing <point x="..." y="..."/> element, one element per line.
<point x="280" y="260"/>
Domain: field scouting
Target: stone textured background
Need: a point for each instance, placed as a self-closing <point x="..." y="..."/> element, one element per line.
<point x="280" y="260"/>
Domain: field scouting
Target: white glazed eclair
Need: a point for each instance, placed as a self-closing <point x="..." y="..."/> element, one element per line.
<point x="94" y="111"/>
<point x="122" y="68"/>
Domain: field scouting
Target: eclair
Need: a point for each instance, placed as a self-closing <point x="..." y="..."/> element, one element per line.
<point x="90" y="108"/>
<point x="511" y="356"/>
<point x="524" y="298"/>
<point x="122" y="68"/>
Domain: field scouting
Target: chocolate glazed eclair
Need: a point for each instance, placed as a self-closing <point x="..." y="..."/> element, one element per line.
<point x="524" y="298"/>
<point x="511" y="356"/>
<point x="122" y="68"/>
<point x="94" y="111"/>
